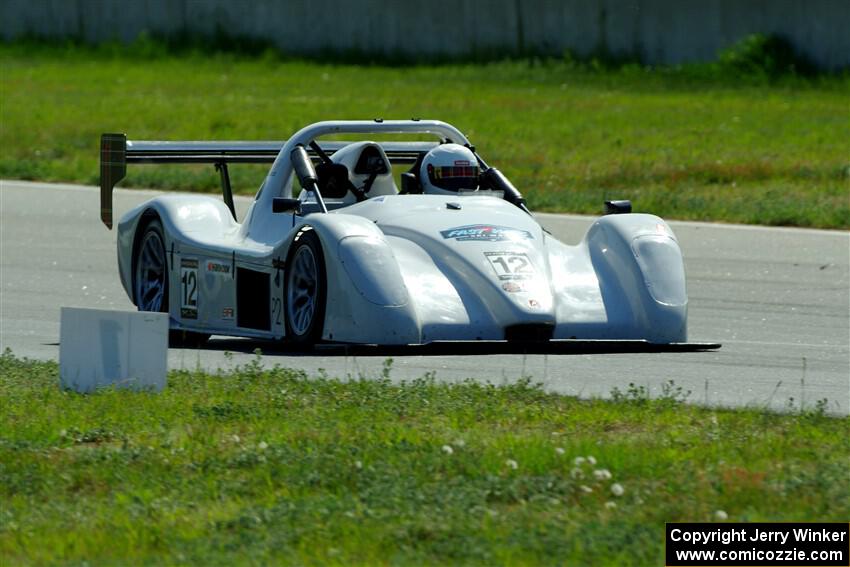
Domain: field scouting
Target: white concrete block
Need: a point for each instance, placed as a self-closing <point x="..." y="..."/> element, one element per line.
<point x="127" y="349"/>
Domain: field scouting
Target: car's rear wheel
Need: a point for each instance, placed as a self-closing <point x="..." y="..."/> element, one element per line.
<point x="305" y="292"/>
<point x="150" y="281"/>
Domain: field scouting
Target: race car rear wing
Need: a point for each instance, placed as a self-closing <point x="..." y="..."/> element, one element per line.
<point x="116" y="151"/>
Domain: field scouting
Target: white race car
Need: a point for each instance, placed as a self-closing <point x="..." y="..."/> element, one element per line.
<point x="454" y="255"/>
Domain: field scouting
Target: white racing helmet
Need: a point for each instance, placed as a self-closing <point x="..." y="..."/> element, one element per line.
<point x="449" y="169"/>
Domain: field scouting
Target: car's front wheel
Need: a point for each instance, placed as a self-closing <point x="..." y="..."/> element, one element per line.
<point x="305" y="293"/>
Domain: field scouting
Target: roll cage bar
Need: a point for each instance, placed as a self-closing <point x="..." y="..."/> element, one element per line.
<point x="116" y="151"/>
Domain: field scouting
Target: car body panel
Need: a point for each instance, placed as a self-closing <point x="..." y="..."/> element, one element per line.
<point x="414" y="269"/>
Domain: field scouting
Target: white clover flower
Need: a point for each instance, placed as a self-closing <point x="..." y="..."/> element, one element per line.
<point x="617" y="489"/>
<point x="585" y="488"/>
<point x="610" y="505"/>
<point x="460" y="443"/>
<point x="560" y="450"/>
<point x="512" y="464"/>
<point x="447" y="449"/>
<point x="578" y="461"/>
<point x="721" y="515"/>
<point x="602" y="474"/>
<point x="577" y="473"/>
<point x="236" y="438"/>
<point x="263" y="446"/>
<point x="591" y="460"/>
<point x="358" y="465"/>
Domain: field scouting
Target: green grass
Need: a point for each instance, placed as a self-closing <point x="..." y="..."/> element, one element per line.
<point x="267" y="466"/>
<point x="687" y="143"/>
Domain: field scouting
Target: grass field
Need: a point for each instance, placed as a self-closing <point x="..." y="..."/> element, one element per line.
<point x="683" y="143"/>
<point x="266" y="466"/>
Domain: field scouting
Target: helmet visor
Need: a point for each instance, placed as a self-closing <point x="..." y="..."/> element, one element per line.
<point x="453" y="177"/>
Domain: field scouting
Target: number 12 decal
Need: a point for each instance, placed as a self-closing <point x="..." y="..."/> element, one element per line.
<point x="511" y="265"/>
<point x="189" y="288"/>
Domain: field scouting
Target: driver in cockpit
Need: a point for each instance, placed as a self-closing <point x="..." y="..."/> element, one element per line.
<point x="449" y="169"/>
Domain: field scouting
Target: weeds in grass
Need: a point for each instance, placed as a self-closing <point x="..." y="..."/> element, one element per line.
<point x="817" y="411"/>
<point x="671" y="395"/>
<point x="386" y="368"/>
<point x="768" y="56"/>
<point x="634" y="394"/>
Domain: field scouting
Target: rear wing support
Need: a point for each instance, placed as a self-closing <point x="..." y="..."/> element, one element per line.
<point x="226" y="190"/>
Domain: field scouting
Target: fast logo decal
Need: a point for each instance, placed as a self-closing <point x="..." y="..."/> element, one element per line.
<point x="189" y="288"/>
<point x="486" y="233"/>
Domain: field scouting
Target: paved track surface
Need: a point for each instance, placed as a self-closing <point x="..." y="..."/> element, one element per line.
<point x="778" y="300"/>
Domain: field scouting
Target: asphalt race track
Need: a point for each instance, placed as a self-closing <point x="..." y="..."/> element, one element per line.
<point x="778" y="300"/>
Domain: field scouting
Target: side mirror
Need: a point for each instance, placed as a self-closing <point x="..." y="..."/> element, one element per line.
<point x="284" y="205"/>
<point x="304" y="168"/>
<point x="492" y="178"/>
<point x="618" y="207"/>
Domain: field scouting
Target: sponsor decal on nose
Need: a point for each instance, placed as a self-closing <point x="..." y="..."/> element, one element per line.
<point x="486" y="233"/>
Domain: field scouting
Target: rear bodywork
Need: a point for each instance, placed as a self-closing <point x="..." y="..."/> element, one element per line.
<point x="405" y="268"/>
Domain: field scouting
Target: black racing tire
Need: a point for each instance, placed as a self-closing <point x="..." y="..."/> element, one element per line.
<point x="151" y="282"/>
<point x="150" y="269"/>
<point x="305" y="291"/>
